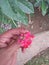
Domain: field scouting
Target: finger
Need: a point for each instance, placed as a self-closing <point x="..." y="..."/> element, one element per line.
<point x="7" y="41"/>
<point x="5" y="38"/>
<point x="11" y="49"/>
<point x="4" y="42"/>
<point x="11" y="32"/>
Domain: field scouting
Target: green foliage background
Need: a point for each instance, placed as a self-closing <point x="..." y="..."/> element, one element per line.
<point x="13" y="11"/>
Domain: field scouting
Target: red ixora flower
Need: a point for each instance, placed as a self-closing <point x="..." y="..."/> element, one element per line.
<point x="25" y="40"/>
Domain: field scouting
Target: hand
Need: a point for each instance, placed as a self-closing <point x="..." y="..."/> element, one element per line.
<point x="9" y="46"/>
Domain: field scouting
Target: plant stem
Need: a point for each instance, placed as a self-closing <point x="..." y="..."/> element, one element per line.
<point x="14" y="23"/>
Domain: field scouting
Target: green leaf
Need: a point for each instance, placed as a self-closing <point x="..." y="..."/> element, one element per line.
<point x="22" y="15"/>
<point x="38" y="0"/>
<point x="1" y="30"/>
<point x="48" y="1"/>
<point x="7" y="10"/>
<point x="5" y="20"/>
<point x="44" y="8"/>
<point x="37" y="4"/>
<point x="26" y="6"/>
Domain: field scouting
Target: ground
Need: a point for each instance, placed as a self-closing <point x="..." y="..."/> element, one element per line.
<point x="41" y="58"/>
<point x="39" y="23"/>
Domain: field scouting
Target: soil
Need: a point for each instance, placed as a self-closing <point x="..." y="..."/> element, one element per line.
<point x="41" y="58"/>
<point x="38" y="23"/>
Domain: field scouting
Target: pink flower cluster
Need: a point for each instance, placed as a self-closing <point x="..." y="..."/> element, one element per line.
<point x="25" y="40"/>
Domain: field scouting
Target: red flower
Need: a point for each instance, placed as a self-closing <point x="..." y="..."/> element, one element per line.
<point x="25" y="40"/>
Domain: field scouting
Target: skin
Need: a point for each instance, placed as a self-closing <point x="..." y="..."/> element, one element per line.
<point x="9" y="46"/>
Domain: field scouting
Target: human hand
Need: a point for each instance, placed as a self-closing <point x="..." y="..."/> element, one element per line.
<point x="9" y="46"/>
